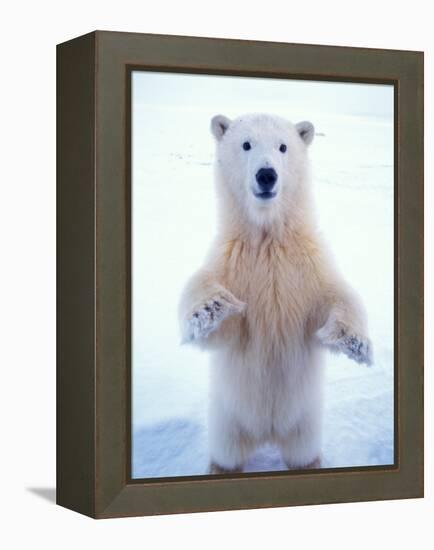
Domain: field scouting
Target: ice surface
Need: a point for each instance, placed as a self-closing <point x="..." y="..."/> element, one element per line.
<point x="173" y="224"/>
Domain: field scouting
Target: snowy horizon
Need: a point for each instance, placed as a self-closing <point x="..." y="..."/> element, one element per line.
<point x="156" y="89"/>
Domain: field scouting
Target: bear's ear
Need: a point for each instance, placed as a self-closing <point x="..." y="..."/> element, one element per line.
<point x="306" y="131"/>
<point x="219" y="125"/>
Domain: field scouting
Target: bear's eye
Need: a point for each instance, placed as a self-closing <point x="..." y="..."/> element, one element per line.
<point x="247" y="146"/>
<point x="282" y="148"/>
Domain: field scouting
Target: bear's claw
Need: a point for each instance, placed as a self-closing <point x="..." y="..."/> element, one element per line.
<point x="207" y="317"/>
<point x="357" y="349"/>
<point x="340" y="338"/>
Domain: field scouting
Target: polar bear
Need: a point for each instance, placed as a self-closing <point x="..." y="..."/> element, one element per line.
<point x="268" y="298"/>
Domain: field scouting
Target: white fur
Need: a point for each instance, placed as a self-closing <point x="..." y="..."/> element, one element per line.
<point x="268" y="298"/>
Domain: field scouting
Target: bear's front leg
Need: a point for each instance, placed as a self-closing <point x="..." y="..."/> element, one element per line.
<point x="344" y="332"/>
<point x="204" y="305"/>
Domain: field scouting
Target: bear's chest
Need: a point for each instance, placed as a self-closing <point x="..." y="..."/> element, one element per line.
<point x="278" y="284"/>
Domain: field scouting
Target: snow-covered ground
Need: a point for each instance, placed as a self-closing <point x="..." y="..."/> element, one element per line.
<point x="173" y="224"/>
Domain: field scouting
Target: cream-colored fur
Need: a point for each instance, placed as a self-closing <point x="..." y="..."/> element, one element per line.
<point x="268" y="299"/>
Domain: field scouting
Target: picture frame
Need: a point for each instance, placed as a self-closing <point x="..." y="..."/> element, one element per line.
<point x="94" y="274"/>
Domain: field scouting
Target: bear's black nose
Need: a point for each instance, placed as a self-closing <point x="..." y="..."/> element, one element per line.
<point x="266" y="178"/>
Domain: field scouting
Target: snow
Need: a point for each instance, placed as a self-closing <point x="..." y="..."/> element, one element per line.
<point x="173" y="224"/>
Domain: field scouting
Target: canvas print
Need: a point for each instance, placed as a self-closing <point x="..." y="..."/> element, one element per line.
<point x="262" y="275"/>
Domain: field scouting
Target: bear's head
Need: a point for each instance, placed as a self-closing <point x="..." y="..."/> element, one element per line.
<point x="262" y="164"/>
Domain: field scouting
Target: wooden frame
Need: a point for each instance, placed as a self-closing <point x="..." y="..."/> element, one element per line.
<point x="93" y="377"/>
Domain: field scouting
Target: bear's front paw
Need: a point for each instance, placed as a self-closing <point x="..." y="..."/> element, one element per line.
<point x="357" y="348"/>
<point x="207" y="317"/>
<point x="339" y="338"/>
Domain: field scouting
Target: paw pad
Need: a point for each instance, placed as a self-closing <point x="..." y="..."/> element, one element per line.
<point x="357" y="349"/>
<point x="207" y="318"/>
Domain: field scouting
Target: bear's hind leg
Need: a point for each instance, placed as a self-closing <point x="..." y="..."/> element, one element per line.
<point x="215" y="468"/>
<point x="301" y="448"/>
<point x="230" y="445"/>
